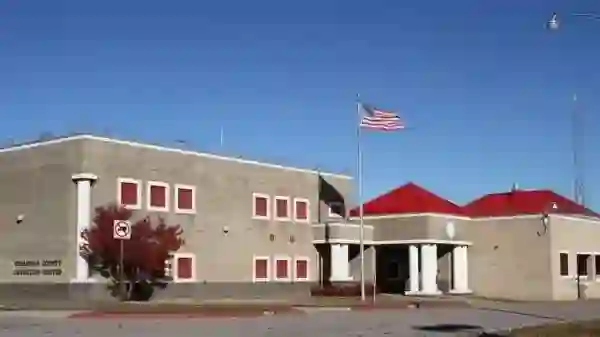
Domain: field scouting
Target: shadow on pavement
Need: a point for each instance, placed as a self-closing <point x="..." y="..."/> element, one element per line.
<point x="456" y="328"/>
<point x="448" y="328"/>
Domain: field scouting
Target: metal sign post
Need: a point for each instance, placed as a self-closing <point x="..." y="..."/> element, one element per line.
<point x="122" y="232"/>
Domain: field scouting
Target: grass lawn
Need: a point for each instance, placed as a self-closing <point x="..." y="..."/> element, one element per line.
<point x="578" y="329"/>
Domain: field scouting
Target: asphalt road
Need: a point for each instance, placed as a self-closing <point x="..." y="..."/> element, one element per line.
<point x="417" y="322"/>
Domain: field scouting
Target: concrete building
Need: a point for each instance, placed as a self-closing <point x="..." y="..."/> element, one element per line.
<point x="520" y="244"/>
<point x="254" y="229"/>
<point x="247" y="225"/>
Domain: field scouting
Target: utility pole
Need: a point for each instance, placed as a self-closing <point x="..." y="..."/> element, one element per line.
<point x="578" y="149"/>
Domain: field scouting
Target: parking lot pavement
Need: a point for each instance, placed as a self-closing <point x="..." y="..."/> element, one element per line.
<point x="417" y="322"/>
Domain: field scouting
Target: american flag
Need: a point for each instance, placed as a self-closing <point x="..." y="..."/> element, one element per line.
<point x="381" y="120"/>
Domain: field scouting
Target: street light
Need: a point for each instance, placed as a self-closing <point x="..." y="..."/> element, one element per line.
<point x="554" y="21"/>
<point x="554" y="24"/>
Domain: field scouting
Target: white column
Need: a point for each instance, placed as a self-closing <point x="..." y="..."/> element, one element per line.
<point x="84" y="183"/>
<point x="460" y="270"/>
<point x="340" y="266"/>
<point x="429" y="270"/>
<point x="413" y="269"/>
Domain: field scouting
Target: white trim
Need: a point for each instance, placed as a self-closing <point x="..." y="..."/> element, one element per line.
<point x="424" y="241"/>
<point x="460" y="217"/>
<point x="335" y="215"/>
<point x="185" y="187"/>
<point x="286" y="258"/>
<point x="84" y="176"/>
<point x="256" y="258"/>
<point x="396" y="242"/>
<point x="268" y="198"/>
<point x="304" y="200"/>
<point x="308" y="273"/>
<point x="411" y="215"/>
<point x="341" y="224"/>
<point x="121" y="180"/>
<point x="288" y="210"/>
<point x="165" y="149"/>
<point x="568" y="263"/>
<point x="175" y="267"/>
<point x="343" y="241"/>
<point x="167" y="188"/>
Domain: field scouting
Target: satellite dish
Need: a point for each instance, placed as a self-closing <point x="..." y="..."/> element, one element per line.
<point x="450" y="230"/>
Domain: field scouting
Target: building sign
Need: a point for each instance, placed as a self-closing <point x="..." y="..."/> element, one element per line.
<point x="37" y="267"/>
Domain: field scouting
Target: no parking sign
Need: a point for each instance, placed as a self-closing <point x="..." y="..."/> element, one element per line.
<point x="122" y="230"/>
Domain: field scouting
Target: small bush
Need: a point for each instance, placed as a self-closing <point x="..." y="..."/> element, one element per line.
<point x="342" y="290"/>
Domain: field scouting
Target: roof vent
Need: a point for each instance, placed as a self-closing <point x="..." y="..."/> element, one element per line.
<point x="515" y="187"/>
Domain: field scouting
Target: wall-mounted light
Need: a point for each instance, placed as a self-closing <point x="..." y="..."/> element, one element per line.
<point x="450" y="230"/>
<point x="20" y="218"/>
<point x="225" y="230"/>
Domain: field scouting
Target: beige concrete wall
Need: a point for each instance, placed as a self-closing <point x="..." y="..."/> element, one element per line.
<point x="508" y="259"/>
<point x="398" y="228"/>
<point x="573" y="235"/>
<point x="348" y="232"/>
<point x="224" y="191"/>
<point x="36" y="183"/>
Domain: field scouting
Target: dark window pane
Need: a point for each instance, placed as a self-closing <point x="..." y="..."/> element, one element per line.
<point x="582" y="264"/>
<point x="564" y="264"/>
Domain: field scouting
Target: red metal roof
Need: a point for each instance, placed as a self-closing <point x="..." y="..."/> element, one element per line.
<point x="409" y="198"/>
<point x="520" y="202"/>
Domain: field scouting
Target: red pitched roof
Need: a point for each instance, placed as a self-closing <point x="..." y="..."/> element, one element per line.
<point x="409" y="198"/>
<point x="521" y="202"/>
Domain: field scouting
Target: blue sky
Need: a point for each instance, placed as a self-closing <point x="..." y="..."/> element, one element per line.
<point x="487" y="91"/>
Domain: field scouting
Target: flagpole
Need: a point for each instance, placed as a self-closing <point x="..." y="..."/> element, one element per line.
<point x="360" y="201"/>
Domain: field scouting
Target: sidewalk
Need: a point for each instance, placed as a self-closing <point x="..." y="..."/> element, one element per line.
<point x="255" y="308"/>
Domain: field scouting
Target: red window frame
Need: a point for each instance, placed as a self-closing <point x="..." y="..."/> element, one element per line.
<point x="181" y="204"/>
<point x="124" y="192"/>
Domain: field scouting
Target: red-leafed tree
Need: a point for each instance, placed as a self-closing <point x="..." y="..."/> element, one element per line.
<point x="152" y="241"/>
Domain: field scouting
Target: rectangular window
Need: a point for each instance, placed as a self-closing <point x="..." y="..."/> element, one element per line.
<point x="336" y="209"/>
<point x="260" y="206"/>
<point x="564" y="264"/>
<point x="582" y="264"/>
<point x="301" y="210"/>
<point x="185" y="199"/>
<point x="129" y="193"/>
<point x="282" y="269"/>
<point x="158" y="196"/>
<point x="260" y="272"/>
<point x="282" y="208"/>
<point x="301" y="269"/>
<point x="597" y="264"/>
<point x="184" y="267"/>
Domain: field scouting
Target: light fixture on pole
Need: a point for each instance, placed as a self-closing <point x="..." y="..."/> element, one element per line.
<point x="553" y="23"/>
<point x="578" y="125"/>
